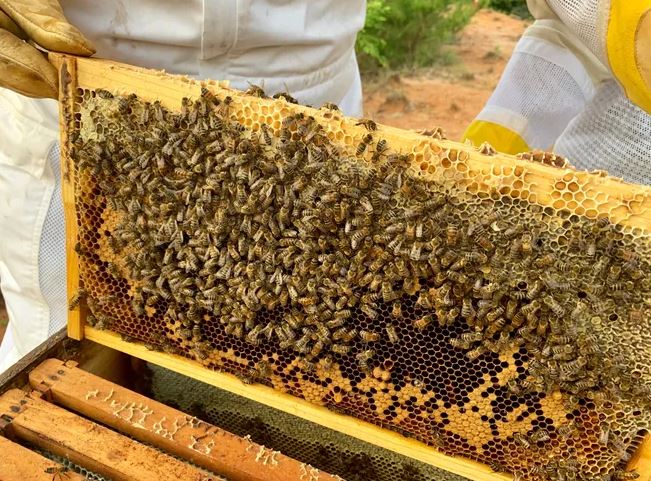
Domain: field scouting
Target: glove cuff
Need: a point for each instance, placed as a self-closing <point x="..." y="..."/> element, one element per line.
<point x="499" y="136"/>
<point x="629" y="49"/>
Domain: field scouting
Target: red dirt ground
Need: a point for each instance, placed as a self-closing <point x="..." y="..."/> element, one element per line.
<point x="448" y="97"/>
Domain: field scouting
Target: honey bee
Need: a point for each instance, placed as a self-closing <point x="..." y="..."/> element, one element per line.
<point x="544" y="261"/>
<point x="366" y="140"/>
<point x="340" y="334"/>
<point x="555" y="307"/>
<point x="591" y="249"/>
<point x="604" y="434"/>
<point x="77" y="298"/>
<point x="286" y="97"/>
<point x="330" y="106"/>
<point x="368" y="124"/>
<point x="422" y="323"/>
<point x="470" y="337"/>
<point x="486" y="149"/>
<point x="159" y="111"/>
<point x="327" y="362"/>
<point x="246" y="378"/>
<point x="526" y="243"/>
<point x="521" y="440"/>
<point x="537" y="470"/>
<point x="458" y="264"/>
<point x="467" y="311"/>
<point x="369" y="336"/>
<point x="451" y="235"/>
<point x="255" y="91"/>
<point x="458" y="343"/>
<point x="392" y="333"/>
<point x="380" y="149"/>
<point x="369" y="311"/>
<point x="484" y="242"/>
<point x="497" y="467"/>
<point x="58" y="472"/>
<point x="340" y="348"/>
<point x="625" y="475"/>
<point x="91" y="320"/>
<point x="435" y="133"/>
<point x="365" y="356"/>
<point x="539" y="436"/>
<point x="266" y="135"/>
<point x="102" y="322"/>
<point x="388" y="294"/>
<point x="263" y="369"/>
<point x="224" y="108"/>
<point x="448" y="258"/>
<point x="80" y="250"/>
<point x="613" y="274"/>
<point x="396" y="310"/>
<point x="423" y="300"/>
<point x="476" y="257"/>
<point x="534" y="289"/>
<point x="476" y="353"/>
<point x="104" y="94"/>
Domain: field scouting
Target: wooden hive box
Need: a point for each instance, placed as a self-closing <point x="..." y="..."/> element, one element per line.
<point x="475" y="311"/>
<point x="84" y="424"/>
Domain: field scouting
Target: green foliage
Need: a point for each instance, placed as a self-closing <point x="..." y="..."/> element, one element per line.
<point x="409" y="33"/>
<point x="513" y="7"/>
<point x="370" y="41"/>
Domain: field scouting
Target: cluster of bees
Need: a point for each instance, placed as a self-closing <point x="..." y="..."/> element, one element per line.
<point x="286" y="240"/>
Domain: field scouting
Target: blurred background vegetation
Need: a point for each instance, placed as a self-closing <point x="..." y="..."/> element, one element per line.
<point x="514" y="7"/>
<point x="408" y="34"/>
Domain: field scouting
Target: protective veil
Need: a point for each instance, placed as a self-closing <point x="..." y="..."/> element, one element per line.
<point x="303" y="47"/>
<point x="578" y="83"/>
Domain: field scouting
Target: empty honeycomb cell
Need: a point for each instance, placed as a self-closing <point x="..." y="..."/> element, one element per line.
<point x="253" y="241"/>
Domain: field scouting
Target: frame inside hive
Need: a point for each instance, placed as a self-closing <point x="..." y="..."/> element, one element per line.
<point x="546" y="186"/>
<point x="92" y="418"/>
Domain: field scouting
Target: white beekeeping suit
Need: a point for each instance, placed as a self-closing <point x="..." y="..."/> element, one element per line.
<point x="578" y="83"/>
<point x="304" y="47"/>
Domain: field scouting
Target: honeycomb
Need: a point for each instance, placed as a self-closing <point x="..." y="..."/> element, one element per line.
<point x="404" y="288"/>
<point x="87" y="474"/>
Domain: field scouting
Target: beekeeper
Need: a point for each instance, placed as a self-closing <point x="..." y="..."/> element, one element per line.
<point x="303" y="47"/>
<point x="578" y="83"/>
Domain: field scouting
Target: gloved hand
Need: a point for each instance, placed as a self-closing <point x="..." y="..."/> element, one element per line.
<point x="22" y="67"/>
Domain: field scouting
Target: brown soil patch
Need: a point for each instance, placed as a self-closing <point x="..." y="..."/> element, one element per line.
<point x="448" y="97"/>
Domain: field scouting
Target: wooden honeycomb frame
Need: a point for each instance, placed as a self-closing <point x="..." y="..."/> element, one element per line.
<point x="547" y="186"/>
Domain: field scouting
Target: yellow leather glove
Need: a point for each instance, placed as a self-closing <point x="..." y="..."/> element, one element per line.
<point x="22" y="67"/>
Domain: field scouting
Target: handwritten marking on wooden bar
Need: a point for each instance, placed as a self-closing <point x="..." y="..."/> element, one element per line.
<point x="237" y="458"/>
<point x="90" y="445"/>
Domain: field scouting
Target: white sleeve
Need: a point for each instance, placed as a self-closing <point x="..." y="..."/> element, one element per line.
<point x="544" y="86"/>
<point x="8" y="353"/>
<point x="611" y="134"/>
<point x="587" y="21"/>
